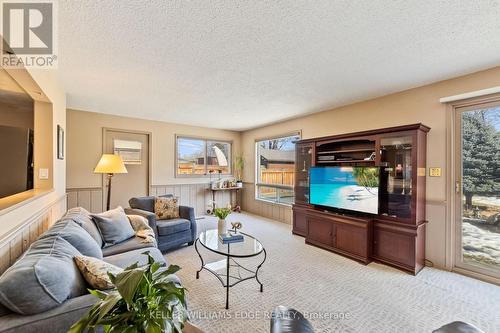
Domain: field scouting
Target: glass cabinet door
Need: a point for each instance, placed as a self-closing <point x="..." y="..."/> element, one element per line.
<point x="396" y="176"/>
<point x="303" y="162"/>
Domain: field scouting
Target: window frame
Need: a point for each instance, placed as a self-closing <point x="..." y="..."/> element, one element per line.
<point x="206" y="140"/>
<point x="278" y="187"/>
<point x="455" y="164"/>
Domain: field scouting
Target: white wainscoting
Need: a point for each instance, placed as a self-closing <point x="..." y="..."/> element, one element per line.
<point x="194" y="195"/>
<point x="89" y="198"/>
<point x="18" y="241"/>
<point x="198" y="196"/>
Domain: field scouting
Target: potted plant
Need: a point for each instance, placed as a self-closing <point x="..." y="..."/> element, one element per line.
<point x="239" y="164"/>
<point x="144" y="300"/>
<point x="222" y="214"/>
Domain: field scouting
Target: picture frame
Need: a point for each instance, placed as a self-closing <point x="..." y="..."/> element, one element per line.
<point x="60" y="143"/>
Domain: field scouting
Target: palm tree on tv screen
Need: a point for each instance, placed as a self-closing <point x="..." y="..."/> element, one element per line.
<point x="366" y="177"/>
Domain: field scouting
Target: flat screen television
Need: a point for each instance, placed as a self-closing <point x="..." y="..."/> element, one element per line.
<point x="345" y="188"/>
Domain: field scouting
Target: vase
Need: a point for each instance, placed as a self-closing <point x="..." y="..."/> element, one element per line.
<point x="222" y="226"/>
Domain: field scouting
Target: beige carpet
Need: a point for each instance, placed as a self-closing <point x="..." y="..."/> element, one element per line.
<point x="340" y="294"/>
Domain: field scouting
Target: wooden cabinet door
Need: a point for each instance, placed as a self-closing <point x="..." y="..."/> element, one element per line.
<point x="396" y="247"/>
<point x="320" y="231"/>
<point x="299" y="222"/>
<point x="303" y="162"/>
<point x="351" y="239"/>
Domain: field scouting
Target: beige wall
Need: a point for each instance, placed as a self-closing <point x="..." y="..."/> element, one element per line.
<point x="419" y="105"/>
<point x="84" y="148"/>
<point x="44" y="87"/>
<point x="49" y="85"/>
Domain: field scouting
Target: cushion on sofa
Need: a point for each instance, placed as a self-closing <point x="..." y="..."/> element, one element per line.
<point x="76" y="236"/>
<point x="133" y="243"/>
<point x="166" y="208"/>
<point x="146" y="203"/>
<point x="167" y="227"/>
<point x="82" y="217"/>
<point x="143" y="203"/>
<point x="96" y="271"/>
<point x="126" y="259"/>
<point x="114" y="226"/>
<point x="43" y="278"/>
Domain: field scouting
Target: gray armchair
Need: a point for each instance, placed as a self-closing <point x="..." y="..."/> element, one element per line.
<point x="169" y="233"/>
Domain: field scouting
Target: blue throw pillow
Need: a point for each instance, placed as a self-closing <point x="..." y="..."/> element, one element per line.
<point x="82" y="217"/>
<point x="43" y="278"/>
<point x="114" y="226"/>
<point x="76" y="236"/>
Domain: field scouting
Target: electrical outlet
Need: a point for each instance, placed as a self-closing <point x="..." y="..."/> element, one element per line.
<point x="43" y="173"/>
<point x="435" y="172"/>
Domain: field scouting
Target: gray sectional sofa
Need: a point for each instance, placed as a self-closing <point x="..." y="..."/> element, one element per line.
<point x="170" y="233"/>
<point x="44" y="290"/>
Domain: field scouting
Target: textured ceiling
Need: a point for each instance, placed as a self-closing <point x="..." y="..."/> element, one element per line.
<point x="242" y="64"/>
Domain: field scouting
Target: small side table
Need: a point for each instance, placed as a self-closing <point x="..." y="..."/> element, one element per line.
<point x="235" y="205"/>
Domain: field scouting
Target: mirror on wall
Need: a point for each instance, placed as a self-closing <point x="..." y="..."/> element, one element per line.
<point x="16" y="137"/>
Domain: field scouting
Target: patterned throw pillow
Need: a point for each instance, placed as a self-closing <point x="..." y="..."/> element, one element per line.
<point x="95" y="271"/>
<point x="166" y="208"/>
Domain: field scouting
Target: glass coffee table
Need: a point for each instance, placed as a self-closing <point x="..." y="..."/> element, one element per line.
<point x="229" y="271"/>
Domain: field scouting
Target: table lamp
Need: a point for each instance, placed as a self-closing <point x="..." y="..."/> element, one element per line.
<point x="110" y="164"/>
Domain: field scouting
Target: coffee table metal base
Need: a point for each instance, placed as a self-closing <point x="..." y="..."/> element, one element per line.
<point x="229" y="263"/>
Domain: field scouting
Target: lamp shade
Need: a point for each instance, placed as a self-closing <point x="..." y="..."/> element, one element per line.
<point x="110" y="163"/>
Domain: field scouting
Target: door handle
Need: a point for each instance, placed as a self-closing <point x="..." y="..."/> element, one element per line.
<point x="458" y="186"/>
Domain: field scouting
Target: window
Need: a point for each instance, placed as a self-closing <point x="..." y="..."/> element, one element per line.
<point x="477" y="181"/>
<point x="276" y="169"/>
<point x="198" y="157"/>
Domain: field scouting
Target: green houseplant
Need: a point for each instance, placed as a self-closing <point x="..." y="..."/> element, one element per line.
<point x="222" y="214"/>
<point x="239" y="164"/>
<point x="145" y="299"/>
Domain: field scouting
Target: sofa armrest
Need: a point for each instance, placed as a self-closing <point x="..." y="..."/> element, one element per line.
<point x="151" y="217"/>
<point x="188" y="213"/>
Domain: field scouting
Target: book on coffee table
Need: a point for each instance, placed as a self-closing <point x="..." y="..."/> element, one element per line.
<point x="229" y="237"/>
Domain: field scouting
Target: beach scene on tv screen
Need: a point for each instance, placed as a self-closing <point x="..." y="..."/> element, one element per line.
<point x="352" y="188"/>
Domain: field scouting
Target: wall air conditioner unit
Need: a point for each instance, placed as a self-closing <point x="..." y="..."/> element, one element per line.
<point x="129" y="151"/>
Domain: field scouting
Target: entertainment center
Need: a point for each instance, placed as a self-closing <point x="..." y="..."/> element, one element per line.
<point x="362" y="195"/>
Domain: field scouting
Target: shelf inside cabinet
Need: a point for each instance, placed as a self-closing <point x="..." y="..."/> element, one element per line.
<point x="345" y="151"/>
<point x="345" y="161"/>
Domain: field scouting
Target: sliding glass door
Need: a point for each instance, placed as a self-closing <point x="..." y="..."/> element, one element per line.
<point x="477" y="188"/>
